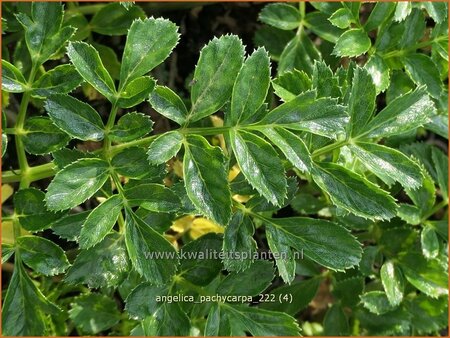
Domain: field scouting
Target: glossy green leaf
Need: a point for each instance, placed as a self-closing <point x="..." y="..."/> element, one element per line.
<point x="219" y="63"/>
<point x="164" y="147"/>
<point x="379" y="70"/>
<point x="115" y="19"/>
<point x="260" y="165"/>
<point x="66" y="156"/>
<point x="324" y="81"/>
<point x="205" y="179"/>
<point x="353" y="42"/>
<point x="131" y="126"/>
<point x="440" y="161"/>
<point x="292" y="147"/>
<point x="149" y="42"/>
<point x="136" y="92"/>
<point x="196" y="264"/>
<point x="168" y="320"/>
<point x="402" y="10"/>
<point x="153" y="197"/>
<point x="437" y="10"/>
<point x="362" y="100"/>
<point x="12" y="79"/>
<point x="342" y="18"/>
<point x="61" y="79"/>
<point x="25" y="309"/>
<point x="238" y="240"/>
<point x="376" y="302"/>
<point x="69" y="227"/>
<point x="393" y="283"/>
<point x="348" y="289"/>
<point x="425" y="275"/>
<point x="109" y="59"/>
<point x="323" y="116"/>
<point x="409" y="213"/>
<point x="379" y="15"/>
<point x="425" y="196"/>
<point x="76" y="118"/>
<point x="388" y="164"/>
<point x="87" y="61"/>
<point x="31" y="211"/>
<point x="403" y="114"/>
<point x="250" y="282"/>
<point x="290" y="84"/>
<point x="280" y="15"/>
<point x="413" y="29"/>
<point x="41" y="136"/>
<point x="93" y="313"/>
<point x="8" y="251"/>
<point x="141" y="302"/>
<point x="250" y="88"/>
<point x="300" y="54"/>
<point x="100" y="222"/>
<point x="308" y="236"/>
<point x="430" y="242"/>
<point x="132" y="163"/>
<point x="43" y="33"/>
<point x="151" y="254"/>
<point x="335" y="322"/>
<point x="430" y="315"/>
<point x="103" y="265"/>
<point x="353" y="192"/>
<point x="169" y="104"/>
<point x="423" y="71"/>
<point x="76" y="183"/>
<point x="42" y="255"/>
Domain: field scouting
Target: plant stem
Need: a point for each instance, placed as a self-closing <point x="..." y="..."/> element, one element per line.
<point x="328" y="148"/>
<point x="435" y="209"/>
<point x="419" y="45"/>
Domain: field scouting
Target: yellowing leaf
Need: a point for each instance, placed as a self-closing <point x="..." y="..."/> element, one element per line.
<point x="7" y="192"/>
<point x="196" y="227"/>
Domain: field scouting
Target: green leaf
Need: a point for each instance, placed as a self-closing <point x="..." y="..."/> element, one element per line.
<point x="25" y="309"/>
<point x="164" y="147"/>
<point x="393" y="283"/>
<point x="441" y="164"/>
<point x="388" y="164"/>
<point x="323" y="80"/>
<point x="430" y="242"/>
<point x="353" y="42"/>
<point x="379" y="70"/>
<point x="153" y="197"/>
<point x="426" y="275"/>
<point x="115" y="19"/>
<point x="342" y="18"/>
<point x="402" y="10"/>
<point x="362" y="100"/>
<point x="131" y="162"/>
<point x="292" y="147"/>
<point x="413" y="29"/>
<point x="93" y="313"/>
<point x="149" y="42"/>
<point x="219" y="63"/>
<point x="251" y="86"/>
<point x="379" y="15"/>
<point x="76" y="118"/>
<point x="168" y="320"/>
<point x="8" y="251"/>
<point x="302" y="294"/>
<point x="273" y="39"/>
<point x="347" y="290"/>
<point x="324" y="242"/>
<point x="12" y="79"/>
<point x="354" y="193"/>
<point x="430" y="315"/>
<point x="280" y="15"/>
<point x="87" y="61"/>
<point x="250" y="282"/>
<point x="76" y="183"/>
<point x="168" y="104"/>
<point x="142" y="242"/>
<point x="300" y="54"/>
<point x="31" y="211"/>
<point x="109" y="59"/>
<point x="100" y="222"/>
<point x="69" y="227"/>
<point x="104" y="265"/>
<point x="61" y="79"/>
<point x="43" y="33"/>
<point x="236" y="320"/>
<point x="335" y="322"/>
<point x="136" y="91"/>
<point x="320" y="25"/>
<point x="41" y="136"/>
<point x="403" y="114"/>
<point x="42" y="255"/>
<point x="322" y="116"/>
<point x="376" y="302"/>
<point x="423" y="71"/>
<point x="437" y="10"/>
<point x="206" y="180"/>
<point x="238" y="240"/>
<point x="141" y="302"/>
<point x="284" y="257"/>
<point x="130" y="127"/>
<point x="409" y="213"/>
<point x="260" y="165"/>
<point x="425" y="196"/>
<point x="290" y="84"/>
<point x="196" y="264"/>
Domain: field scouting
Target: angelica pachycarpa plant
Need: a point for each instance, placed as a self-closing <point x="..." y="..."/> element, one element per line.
<point x="323" y="146"/>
